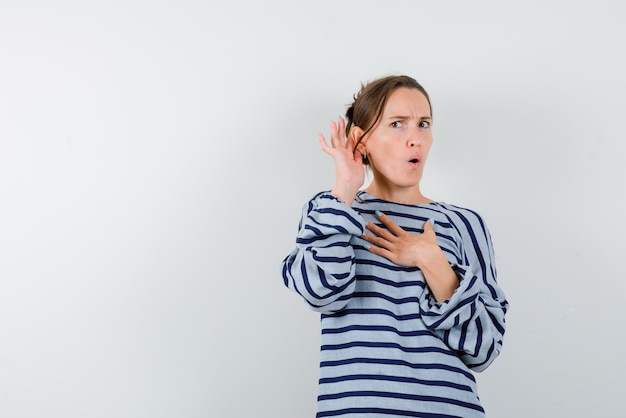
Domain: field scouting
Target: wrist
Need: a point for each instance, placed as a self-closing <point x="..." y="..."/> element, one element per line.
<point x="345" y="194"/>
<point x="430" y="258"/>
<point x="440" y="276"/>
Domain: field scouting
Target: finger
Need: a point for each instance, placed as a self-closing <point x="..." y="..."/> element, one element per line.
<point x="341" y="131"/>
<point x="380" y="232"/>
<point x="334" y="139"/>
<point x="378" y="241"/>
<point x="380" y="251"/>
<point x="358" y="156"/>
<point x="323" y="143"/>
<point x="391" y="225"/>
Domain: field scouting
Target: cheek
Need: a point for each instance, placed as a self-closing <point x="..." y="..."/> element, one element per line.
<point x="428" y="142"/>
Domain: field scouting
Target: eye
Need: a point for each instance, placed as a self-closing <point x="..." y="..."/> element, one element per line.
<point x="396" y="124"/>
<point x="424" y="124"/>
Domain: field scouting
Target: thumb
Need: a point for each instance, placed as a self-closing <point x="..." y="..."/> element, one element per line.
<point x="429" y="225"/>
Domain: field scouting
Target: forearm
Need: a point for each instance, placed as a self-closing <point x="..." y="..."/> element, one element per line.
<point x="321" y="268"/>
<point x="471" y="322"/>
<point x="325" y="283"/>
<point x="346" y="190"/>
<point x="345" y="196"/>
<point x="439" y="275"/>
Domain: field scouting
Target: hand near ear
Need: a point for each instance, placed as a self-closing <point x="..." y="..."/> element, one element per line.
<point x="349" y="171"/>
<point x="414" y="250"/>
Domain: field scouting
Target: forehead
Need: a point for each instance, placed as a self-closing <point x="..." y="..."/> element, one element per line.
<point x="407" y="102"/>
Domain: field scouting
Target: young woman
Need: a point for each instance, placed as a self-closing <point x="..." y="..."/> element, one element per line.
<point x="406" y="286"/>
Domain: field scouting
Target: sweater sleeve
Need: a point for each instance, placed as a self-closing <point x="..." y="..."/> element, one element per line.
<point x="321" y="268"/>
<point x="472" y="321"/>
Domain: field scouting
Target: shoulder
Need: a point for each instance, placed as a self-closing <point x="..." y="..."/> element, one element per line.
<point x="462" y="218"/>
<point x="456" y="210"/>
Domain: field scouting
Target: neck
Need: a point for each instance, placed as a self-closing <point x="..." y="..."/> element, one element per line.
<point x="406" y="195"/>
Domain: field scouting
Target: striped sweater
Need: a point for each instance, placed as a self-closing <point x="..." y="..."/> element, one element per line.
<point x="388" y="348"/>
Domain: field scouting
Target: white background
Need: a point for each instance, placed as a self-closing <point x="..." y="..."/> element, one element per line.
<point x="155" y="155"/>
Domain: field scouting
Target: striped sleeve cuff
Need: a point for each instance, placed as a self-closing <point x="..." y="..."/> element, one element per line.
<point x="434" y="312"/>
<point x="326" y="215"/>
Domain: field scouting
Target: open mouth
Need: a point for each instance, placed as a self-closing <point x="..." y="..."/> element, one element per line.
<point x="415" y="161"/>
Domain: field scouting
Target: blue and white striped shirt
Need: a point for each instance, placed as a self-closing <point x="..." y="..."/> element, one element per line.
<point x="388" y="347"/>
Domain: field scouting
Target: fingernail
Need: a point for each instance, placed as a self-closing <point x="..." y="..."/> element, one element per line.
<point x="432" y="221"/>
<point x="366" y="246"/>
<point x="378" y="213"/>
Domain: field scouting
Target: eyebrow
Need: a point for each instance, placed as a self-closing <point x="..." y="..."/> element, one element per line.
<point x="408" y="117"/>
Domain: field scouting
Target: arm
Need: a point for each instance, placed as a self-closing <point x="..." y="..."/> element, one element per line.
<point x="321" y="268"/>
<point x="472" y="320"/>
<point x="349" y="171"/>
<point x="462" y="303"/>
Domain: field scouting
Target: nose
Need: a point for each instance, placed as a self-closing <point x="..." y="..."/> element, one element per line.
<point x="413" y="139"/>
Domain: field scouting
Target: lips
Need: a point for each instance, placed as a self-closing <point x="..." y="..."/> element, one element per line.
<point x="415" y="160"/>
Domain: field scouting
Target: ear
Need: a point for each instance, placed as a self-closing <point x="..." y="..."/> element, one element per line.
<point x="355" y="134"/>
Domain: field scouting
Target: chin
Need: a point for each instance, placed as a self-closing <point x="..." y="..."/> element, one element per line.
<point x="407" y="184"/>
<point x="412" y="181"/>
